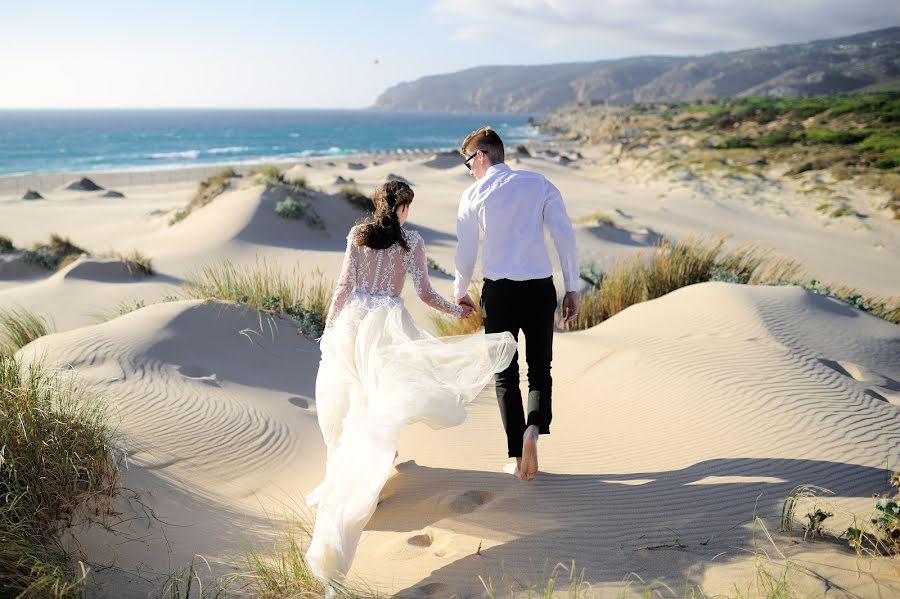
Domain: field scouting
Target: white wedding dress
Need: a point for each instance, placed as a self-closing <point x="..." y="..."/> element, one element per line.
<point x="378" y="372"/>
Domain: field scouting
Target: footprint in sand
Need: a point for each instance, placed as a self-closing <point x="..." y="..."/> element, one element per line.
<point x="469" y="501"/>
<point x="300" y="402"/>
<point x="423" y="540"/>
<point x="883" y="388"/>
<point x="197" y="373"/>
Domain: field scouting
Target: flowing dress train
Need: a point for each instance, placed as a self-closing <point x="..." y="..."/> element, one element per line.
<point x="379" y="371"/>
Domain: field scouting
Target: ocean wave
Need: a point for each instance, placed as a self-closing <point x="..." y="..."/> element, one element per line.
<point x="191" y="154"/>
<point x="228" y="150"/>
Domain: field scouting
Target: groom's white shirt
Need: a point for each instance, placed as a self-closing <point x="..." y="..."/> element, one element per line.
<point x="512" y="208"/>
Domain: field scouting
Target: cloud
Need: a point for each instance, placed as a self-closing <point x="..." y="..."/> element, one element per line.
<point x="609" y="28"/>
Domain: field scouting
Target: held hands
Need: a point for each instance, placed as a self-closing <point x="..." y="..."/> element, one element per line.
<point x="570" y="306"/>
<point x="468" y="306"/>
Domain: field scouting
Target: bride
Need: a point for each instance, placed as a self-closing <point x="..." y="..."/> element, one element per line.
<point x="379" y="371"/>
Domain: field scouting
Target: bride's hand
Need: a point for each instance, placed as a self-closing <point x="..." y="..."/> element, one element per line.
<point x="466" y="311"/>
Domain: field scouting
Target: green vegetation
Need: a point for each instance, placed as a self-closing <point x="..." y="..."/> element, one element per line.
<point x="6" y="245"/>
<point x="446" y="325"/>
<point x="881" y="535"/>
<point x="18" y="328"/>
<point x="357" y="198"/>
<point x="303" y="297"/>
<point x="56" y="457"/>
<point x="854" y="137"/>
<point x="55" y="254"/>
<point x="208" y="190"/>
<point x="672" y="265"/>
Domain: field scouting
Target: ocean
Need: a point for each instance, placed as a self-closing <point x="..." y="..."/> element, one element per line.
<point x="54" y="141"/>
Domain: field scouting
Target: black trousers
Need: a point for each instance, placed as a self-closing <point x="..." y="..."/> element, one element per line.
<point x="528" y="306"/>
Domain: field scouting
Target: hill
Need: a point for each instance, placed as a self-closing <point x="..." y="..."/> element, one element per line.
<point x="839" y="65"/>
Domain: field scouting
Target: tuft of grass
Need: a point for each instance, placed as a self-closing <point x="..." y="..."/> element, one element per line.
<point x="267" y="288"/>
<point x="56" y="253"/>
<point x="842" y="210"/>
<point x="672" y="265"/>
<point x="135" y="261"/>
<point x="356" y="197"/>
<point x="207" y="190"/>
<point x="18" y="328"/>
<point x="269" y="175"/>
<point x="445" y="326"/>
<point x="597" y="217"/>
<point x="6" y="245"/>
<point x="56" y="458"/>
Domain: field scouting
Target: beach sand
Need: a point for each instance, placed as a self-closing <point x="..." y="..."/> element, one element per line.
<point x="676" y="422"/>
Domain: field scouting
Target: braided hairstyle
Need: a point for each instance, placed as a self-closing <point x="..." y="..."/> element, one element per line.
<point x="384" y="229"/>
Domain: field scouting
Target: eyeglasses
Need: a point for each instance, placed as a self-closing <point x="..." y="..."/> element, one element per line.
<point x="469" y="159"/>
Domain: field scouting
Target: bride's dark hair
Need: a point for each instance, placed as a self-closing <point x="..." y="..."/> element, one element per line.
<point x="384" y="229"/>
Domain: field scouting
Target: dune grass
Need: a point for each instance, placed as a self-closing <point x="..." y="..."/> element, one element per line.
<point x="55" y="254"/>
<point x="445" y="325"/>
<point x="56" y="458"/>
<point x="19" y="327"/>
<point x="207" y="190"/>
<point x="305" y="297"/>
<point x="674" y="264"/>
<point x="357" y="198"/>
<point x="596" y="218"/>
<point x="135" y="261"/>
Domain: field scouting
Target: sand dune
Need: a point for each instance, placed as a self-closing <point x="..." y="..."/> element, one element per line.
<point x="675" y="421"/>
<point x="674" y="424"/>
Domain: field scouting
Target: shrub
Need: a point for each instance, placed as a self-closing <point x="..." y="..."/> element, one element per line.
<point x="268" y="289"/>
<point x="269" y="175"/>
<point x="597" y="217"/>
<point x="842" y="210"/>
<point x="54" y="254"/>
<point x="56" y="455"/>
<point x="6" y="245"/>
<point x="447" y="325"/>
<point x="207" y="190"/>
<point x="883" y="536"/>
<point x="881" y="141"/>
<point x="290" y="208"/>
<point x="736" y="142"/>
<point x="18" y="328"/>
<point x="890" y="160"/>
<point x="353" y="195"/>
<point x="826" y="136"/>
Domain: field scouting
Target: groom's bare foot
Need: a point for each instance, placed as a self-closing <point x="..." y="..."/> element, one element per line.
<point x="529" y="464"/>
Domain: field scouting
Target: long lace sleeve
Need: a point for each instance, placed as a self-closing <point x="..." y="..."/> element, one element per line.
<point x="417" y="266"/>
<point x="345" y="284"/>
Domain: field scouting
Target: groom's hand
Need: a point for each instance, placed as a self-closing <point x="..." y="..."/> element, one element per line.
<point x="570" y="306"/>
<point x="466" y="301"/>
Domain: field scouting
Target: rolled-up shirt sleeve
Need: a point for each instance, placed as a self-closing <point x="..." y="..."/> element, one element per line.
<point x="557" y="222"/>
<point x="466" y="246"/>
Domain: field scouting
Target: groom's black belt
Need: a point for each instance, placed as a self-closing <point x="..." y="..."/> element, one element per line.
<point x="511" y="282"/>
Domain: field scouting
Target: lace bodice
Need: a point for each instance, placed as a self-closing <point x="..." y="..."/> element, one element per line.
<point x="383" y="272"/>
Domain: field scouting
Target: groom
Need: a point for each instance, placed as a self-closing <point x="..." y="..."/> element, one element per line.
<point x="511" y="209"/>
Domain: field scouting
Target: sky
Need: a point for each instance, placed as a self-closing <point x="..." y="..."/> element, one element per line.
<point x="344" y="53"/>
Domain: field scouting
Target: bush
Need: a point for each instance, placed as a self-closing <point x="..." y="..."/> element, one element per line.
<point x="6" y="245"/>
<point x="883" y="536"/>
<point x="290" y="208"/>
<point x="268" y="289"/>
<point x="353" y="195"/>
<point x="882" y="141"/>
<point x="736" y="142"/>
<point x="56" y="455"/>
<point x="207" y="190"/>
<point x="269" y="175"/>
<point x="890" y="160"/>
<point x="55" y="254"/>
<point x="826" y="136"/>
